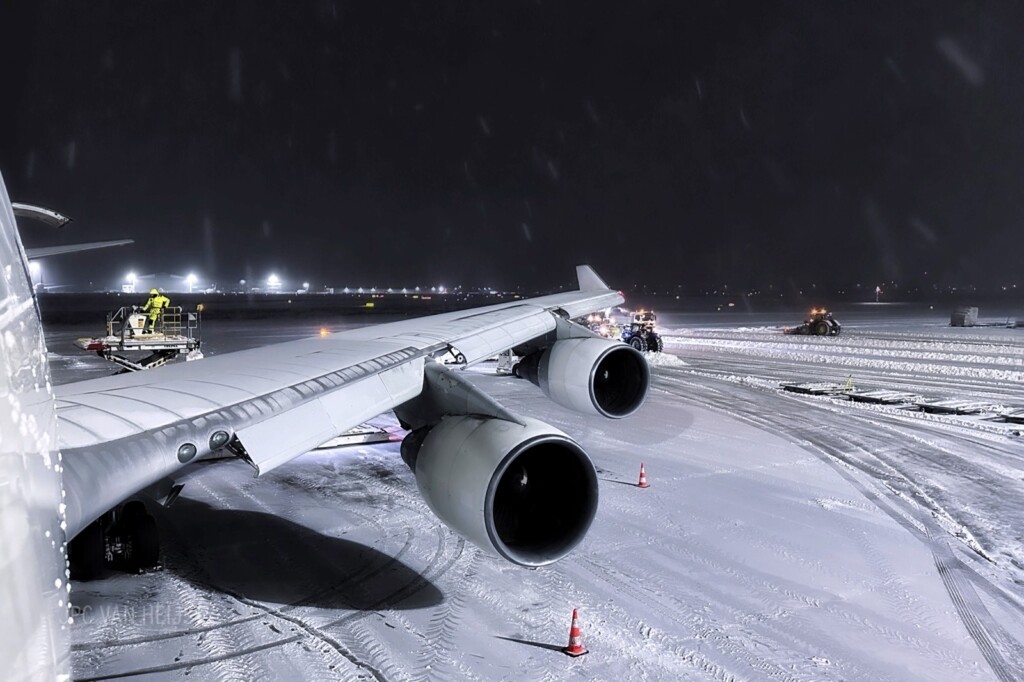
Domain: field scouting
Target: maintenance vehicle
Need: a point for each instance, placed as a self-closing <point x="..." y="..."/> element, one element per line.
<point x="820" y="322"/>
<point x="641" y="334"/>
<point x="601" y="324"/>
<point x="175" y="332"/>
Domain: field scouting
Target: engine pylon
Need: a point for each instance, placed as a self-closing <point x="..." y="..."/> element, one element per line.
<point x="575" y="647"/>
<point x="643" y="478"/>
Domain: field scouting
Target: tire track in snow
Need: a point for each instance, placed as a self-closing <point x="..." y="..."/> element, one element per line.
<point x="441" y="634"/>
<point x="777" y="626"/>
<point x="333" y="648"/>
<point x="702" y="631"/>
<point x="973" y="613"/>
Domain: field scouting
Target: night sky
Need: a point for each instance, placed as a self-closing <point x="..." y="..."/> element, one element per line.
<point x="499" y="144"/>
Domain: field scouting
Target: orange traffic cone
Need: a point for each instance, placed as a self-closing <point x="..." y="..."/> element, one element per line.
<point x="643" y="478"/>
<point x="575" y="647"/>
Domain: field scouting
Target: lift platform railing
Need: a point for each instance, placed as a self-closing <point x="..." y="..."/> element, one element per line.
<point x="172" y="321"/>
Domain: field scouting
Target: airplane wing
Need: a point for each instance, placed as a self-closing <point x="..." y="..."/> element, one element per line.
<point x="44" y="251"/>
<point x="122" y="433"/>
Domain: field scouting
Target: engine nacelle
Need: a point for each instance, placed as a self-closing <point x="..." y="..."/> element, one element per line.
<point x="526" y="491"/>
<point x="590" y="375"/>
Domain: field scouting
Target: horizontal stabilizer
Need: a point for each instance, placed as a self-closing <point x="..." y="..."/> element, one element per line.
<point x="588" y="279"/>
<point x="43" y="215"/>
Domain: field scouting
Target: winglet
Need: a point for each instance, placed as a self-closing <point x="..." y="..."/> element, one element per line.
<point x="588" y="279"/>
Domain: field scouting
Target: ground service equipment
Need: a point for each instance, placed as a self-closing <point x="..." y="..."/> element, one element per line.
<point x="175" y="333"/>
<point x="641" y="334"/>
<point x="820" y="323"/>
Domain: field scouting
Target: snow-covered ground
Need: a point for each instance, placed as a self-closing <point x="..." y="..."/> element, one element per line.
<point x="783" y="536"/>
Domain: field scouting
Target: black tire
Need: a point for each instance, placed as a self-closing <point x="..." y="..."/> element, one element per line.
<point x="638" y="343"/>
<point x="515" y="371"/>
<point x="654" y="343"/>
<point x="86" y="553"/>
<point x="142" y="545"/>
<point x="821" y="329"/>
<point x="836" y="328"/>
<point x="133" y="510"/>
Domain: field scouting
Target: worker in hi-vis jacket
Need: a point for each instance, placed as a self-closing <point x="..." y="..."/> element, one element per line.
<point x="153" y="308"/>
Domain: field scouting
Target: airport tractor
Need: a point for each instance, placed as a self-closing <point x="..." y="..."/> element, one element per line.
<point x="820" y="322"/>
<point x="641" y="334"/>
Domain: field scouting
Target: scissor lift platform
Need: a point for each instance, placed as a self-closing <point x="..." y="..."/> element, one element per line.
<point x="175" y="333"/>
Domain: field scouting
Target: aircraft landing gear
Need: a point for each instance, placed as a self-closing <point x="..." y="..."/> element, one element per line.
<point x="124" y="539"/>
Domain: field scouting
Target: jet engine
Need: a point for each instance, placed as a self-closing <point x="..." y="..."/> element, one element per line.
<point x="590" y="375"/>
<point x="520" y="488"/>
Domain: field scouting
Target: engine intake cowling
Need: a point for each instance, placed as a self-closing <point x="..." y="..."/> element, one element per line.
<point x="591" y="375"/>
<point x="526" y="491"/>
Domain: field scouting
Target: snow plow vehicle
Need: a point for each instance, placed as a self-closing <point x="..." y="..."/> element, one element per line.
<point x="819" y="323"/>
<point x="641" y="334"/>
<point x="601" y="324"/>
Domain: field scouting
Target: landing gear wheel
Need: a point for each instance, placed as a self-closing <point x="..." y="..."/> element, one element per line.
<point x="638" y="343"/>
<point x="142" y="543"/>
<point x="141" y="540"/>
<point x="86" y="553"/>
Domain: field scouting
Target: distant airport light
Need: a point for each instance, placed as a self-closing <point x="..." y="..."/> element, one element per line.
<point x="305" y="285"/>
<point x="190" y="280"/>
<point x="131" y="278"/>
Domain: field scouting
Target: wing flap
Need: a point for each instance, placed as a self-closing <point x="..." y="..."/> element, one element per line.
<point x="284" y="436"/>
<point x="272" y="442"/>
